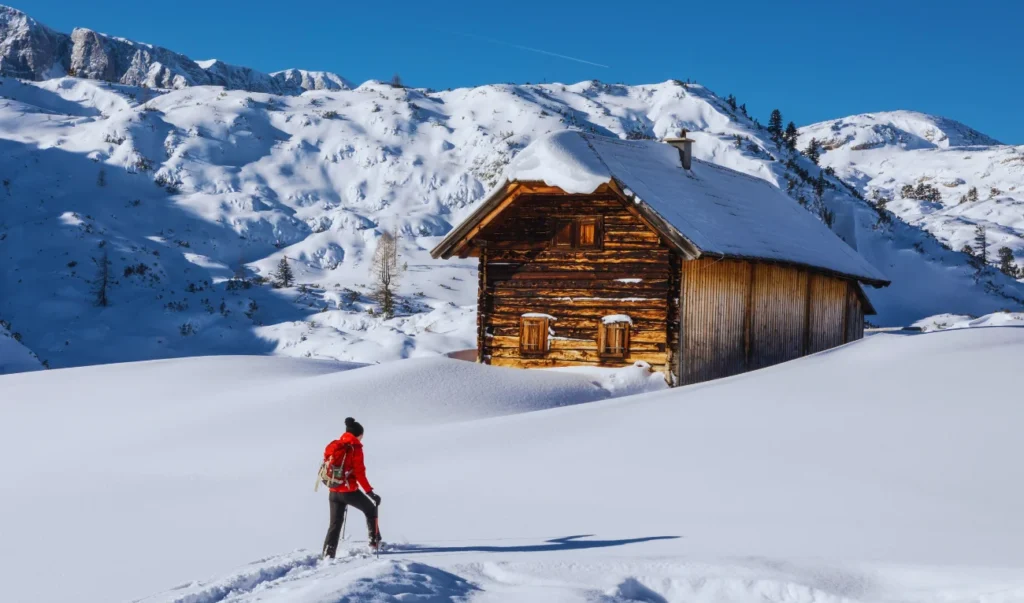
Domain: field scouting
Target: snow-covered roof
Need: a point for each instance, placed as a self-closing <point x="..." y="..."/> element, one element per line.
<point x="707" y="210"/>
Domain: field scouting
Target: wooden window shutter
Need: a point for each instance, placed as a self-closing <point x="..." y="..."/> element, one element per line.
<point x="589" y="233"/>
<point x="564" y="233"/>
<point x="533" y="336"/>
<point x="613" y="339"/>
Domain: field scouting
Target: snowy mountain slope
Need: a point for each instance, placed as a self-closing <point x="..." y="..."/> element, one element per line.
<point x="14" y="357"/>
<point x="194" y="193"/>
<point x="30" y="50"/>
<point x="881" y="153"/>
<point x="887" y="488"/>
<point x="185" y="189"/>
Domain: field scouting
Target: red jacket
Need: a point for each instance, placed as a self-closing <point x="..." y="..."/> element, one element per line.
<point x="355" y="461"/>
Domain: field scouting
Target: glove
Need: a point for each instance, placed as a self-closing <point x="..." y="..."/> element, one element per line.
<point x="374" y="497"/>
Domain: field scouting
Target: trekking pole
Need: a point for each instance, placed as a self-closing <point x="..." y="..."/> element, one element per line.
<point x="377" y="527"/>
<point x="344" y="520"/>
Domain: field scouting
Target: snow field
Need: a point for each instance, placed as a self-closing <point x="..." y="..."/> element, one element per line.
<point x="879" y="471"/>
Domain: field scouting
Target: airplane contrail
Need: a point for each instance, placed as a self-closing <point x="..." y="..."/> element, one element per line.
<point x="537" y="50"/>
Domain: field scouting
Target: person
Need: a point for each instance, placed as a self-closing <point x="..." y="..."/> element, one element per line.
<point x="348" y="494"/>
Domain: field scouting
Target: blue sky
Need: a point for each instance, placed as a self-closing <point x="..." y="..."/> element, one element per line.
<point x="814" y="61"/>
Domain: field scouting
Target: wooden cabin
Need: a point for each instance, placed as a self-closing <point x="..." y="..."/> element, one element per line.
<point x="604" y="252"/>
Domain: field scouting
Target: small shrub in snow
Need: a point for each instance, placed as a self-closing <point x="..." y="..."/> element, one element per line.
<point x="238" y="284"/>
<point x="921" y="192"/>
<point x="139" y="269"/>
<point x="330" y="115"/>
<point x="349" y="296"/>
<point x="176" y="306"/>
<point x="142" y="164"/>
<point x="396" y="81"/>
<point x="187" y="329"/>
<point x="971" y="196"/>
<point x="639" y="134"/>
<point x="171" y="184"/>
<point x="101" y="178"/>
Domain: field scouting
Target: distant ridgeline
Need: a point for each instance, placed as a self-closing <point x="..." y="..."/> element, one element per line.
<point x="30" y="50"/>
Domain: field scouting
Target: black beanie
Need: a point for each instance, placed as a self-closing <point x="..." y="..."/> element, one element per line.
<point x="351" y="426"/>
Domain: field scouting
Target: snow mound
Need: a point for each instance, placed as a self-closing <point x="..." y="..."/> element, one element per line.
<point x="895" y="485"/>
<point x="943" y="322"/>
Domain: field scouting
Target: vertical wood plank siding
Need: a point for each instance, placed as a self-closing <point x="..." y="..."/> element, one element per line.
<point x="854" y="314"/>
<point x="714" y="308"/>
<point x="739" y="316"/>
<point x="828" y="307"/>
<point x="777" y="327"/>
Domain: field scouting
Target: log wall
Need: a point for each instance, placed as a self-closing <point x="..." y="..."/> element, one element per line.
<point x="739" y="316"/>
<point x="632" y="273"/>
<point x="694" y="320"/>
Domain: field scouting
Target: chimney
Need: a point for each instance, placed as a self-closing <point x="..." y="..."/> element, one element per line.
<point x="685" y="146"/>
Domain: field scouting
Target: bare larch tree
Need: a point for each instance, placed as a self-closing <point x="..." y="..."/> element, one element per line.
<point x="386" y="271"/>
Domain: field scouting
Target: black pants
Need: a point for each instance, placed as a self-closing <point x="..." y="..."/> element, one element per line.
<point x="340" y="500"/>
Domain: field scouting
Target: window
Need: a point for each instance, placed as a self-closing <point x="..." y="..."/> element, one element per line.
<point x="613" y="337"/>
<point x="578" y="233"/>
<point x="533" y="335"/>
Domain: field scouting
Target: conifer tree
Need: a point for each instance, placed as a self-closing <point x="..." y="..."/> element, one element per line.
<point x="1006" y="263"/>
<point x="731" y="101"/>
<point x="102" y="282"/>
<point x="980" y="244"/>
<point x="820" y="184"/>
<point x="813" y="150"/>
<point x="283" y="276"/>
<point x="790" y="136"/>
<point x="775" y="126"/>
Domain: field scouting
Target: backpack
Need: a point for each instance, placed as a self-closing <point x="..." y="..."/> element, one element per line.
<point x="337" y="469"/>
